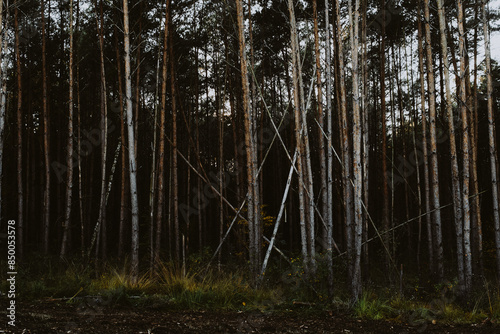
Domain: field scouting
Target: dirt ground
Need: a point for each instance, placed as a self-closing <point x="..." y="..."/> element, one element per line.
<point x="60" y="317"/>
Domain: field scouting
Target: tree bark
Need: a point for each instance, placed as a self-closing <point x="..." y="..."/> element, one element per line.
<point x="161" y="153"/>
<point x="455" y="178"/>
<point x="69" y="160"/>
<point x="356" y="286"/>
<point x="438" y="242"/>
<point x="491" y="135"/>
<point x="365" y="134"/>
<point x="329" y="161"/>
<point x="321" y="117"/>
<point x="430" y="247"/>
<point x="175" y="182"/>
<point x="385" y="172"/>
<point x="20" y="206"/>
<point x="121" y="230"/>
<point x="253" y="198"/>
<point x="3" y="78"/>
<point x="46" y="135"/>
<point x="465" y="149"/>
<point x="134" y="269"/>
<point x="104" y="133"/>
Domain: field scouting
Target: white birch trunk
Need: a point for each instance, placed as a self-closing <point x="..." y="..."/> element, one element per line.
<point x="134" y="270"/>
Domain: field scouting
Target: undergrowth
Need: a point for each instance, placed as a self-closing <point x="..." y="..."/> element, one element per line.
<point x="283" y="289"/>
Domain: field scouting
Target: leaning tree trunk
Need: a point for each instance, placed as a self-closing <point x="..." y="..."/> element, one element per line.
<point x="134" y="269"/>
<point x="104" y="134"/>
<point x="491" y="136"/>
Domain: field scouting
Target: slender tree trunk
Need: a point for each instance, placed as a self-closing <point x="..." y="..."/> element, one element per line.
<point x="121" y="230"/>
<point x="477" y="225"/>
<point x="300" y="132"/>
<point x="438" y="241"/>
<point x="455" y="178"/>
<point x="465" y="149"/>
<point x="365" y="134"/>
<point x="415" y="152"/>
<point x="385" y="173"/>
<point x="134" y="270"/>
<point x="161" y="153"/>
<point x="46" y="134"/>
<point x="69" y="161"/>
<point x="321" y="117"/>
<point x="154" y="170"/>
<point x="104" y="133"/>
<point x="20" y="207"/>
<point x="253" y="124"/>
<point x="491" y="135"/>
<point x="308" y="179"/>
<point x="393" y="144"/>
<point x="3" y="78"/>
<point x="79" y="161"/>
<point x="253" y="203"/>
<point x="137" y="99"/>
<point x="329" y="161"/>
<point x="356" y="140"/>
<point x="346" y="150"/>
<point x="424" y="142"/>
<point x="175" y="181"/>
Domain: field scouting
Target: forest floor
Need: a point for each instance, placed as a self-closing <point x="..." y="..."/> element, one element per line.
<point x="57" y="316"/>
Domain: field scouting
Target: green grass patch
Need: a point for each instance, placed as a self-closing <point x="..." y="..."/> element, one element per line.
<point x="284" y="289"/>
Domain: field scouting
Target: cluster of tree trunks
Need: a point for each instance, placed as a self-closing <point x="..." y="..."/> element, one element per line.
<point x="224" y="105"/>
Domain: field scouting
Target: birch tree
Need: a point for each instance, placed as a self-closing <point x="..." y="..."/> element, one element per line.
<point x="465" y="150"/>
<point x="134" y="269"/>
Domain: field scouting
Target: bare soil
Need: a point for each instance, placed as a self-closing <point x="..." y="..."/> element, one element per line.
<point x="56" y="316"/>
